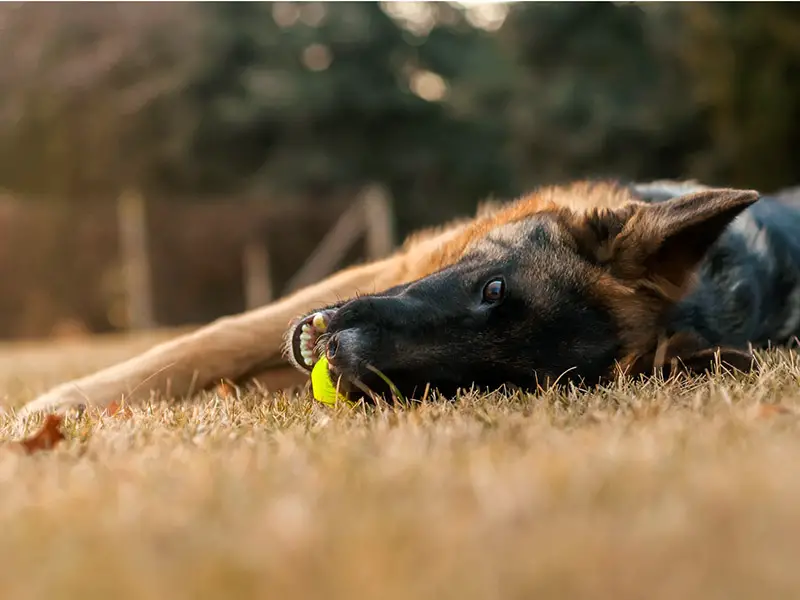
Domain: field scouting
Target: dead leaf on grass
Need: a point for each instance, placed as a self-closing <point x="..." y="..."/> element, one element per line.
<point x="46" y="438"/>
<point x="772" y="410"/>
<point x="225" y="389"/>
<point x="115" y="409"/>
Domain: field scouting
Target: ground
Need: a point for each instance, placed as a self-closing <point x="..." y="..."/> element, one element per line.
<point x="658" y="490"/>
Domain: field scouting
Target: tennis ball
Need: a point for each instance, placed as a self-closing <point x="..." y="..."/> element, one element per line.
<point x="322" y="387"/>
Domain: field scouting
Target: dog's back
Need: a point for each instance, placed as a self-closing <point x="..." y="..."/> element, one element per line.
<point x="748" y="288"/>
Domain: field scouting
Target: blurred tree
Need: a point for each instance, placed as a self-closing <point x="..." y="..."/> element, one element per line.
<point x="597" y="93"/>
<point x="744" y="77"/>
<point x="313" y="97"/>
<point x="89" y="95"/>
<point x="272" y="98"/>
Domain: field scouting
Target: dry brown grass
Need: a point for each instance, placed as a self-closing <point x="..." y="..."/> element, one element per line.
<point x="650" y="491"/>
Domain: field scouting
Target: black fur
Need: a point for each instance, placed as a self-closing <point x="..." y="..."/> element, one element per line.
<point x="439" y="331"/>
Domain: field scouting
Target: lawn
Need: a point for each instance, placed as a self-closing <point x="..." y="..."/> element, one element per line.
<point x="676" y="490"/>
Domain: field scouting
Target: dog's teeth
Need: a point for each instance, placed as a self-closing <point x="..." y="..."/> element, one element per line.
<point x="319" y="322"/>
<point x="309" y="334"/>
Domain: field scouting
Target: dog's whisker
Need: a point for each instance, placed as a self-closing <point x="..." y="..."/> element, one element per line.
<point x="321" y="343"/>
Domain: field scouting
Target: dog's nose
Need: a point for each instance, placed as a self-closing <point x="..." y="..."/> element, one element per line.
<point x="344" y="350"/>
<point x="332" y="348"/>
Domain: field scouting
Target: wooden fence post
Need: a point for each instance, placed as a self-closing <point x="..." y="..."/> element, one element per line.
<point x="370" y="214"/>
<point x="330" y="250"/>
<point x="257" y="277"/>
<point x="379" y="222"/>
<point x="132" y="223"/>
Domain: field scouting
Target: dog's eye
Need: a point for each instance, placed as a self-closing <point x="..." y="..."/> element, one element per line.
<point x="494" y="291"/>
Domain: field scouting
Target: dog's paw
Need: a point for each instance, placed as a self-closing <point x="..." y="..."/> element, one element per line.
<point x="56" y="401"/>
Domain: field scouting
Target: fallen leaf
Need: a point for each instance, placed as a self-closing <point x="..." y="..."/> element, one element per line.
<point x="117" y="409"/>
<point x="771" y="410"/>
<point x="46" y="438"/>
<point x="225" y="389"/>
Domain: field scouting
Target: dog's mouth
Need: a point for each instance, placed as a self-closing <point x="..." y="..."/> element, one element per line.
<point x="307" y="340"/>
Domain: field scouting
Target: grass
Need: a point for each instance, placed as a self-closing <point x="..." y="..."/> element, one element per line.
<point x="636" y="491"/>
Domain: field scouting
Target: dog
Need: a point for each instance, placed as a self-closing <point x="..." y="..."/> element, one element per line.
<point x="581" y="282"/>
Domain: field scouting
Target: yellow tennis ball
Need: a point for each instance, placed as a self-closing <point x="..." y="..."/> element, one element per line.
<point x="322" y="387"/>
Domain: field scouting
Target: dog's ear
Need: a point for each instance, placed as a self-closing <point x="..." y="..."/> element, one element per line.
<point x="666" y="241"/>
<point x="685" y="353"/>
<point x="661" y="242"/>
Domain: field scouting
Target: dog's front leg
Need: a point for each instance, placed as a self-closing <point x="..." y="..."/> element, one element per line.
<point x="229" y="348"/>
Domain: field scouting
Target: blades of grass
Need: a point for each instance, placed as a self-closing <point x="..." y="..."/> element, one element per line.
<point x="395" y="392"/>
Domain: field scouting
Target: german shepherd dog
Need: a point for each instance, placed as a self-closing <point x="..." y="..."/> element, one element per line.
<point x="577" y="283"/>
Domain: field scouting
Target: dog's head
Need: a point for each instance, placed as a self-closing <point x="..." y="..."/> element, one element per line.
<point x="533" y="297"/>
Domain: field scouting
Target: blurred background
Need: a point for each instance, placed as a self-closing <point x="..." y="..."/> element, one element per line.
<point x="163" y="164"/>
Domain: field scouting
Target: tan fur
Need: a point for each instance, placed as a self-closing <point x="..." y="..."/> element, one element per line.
<point x="577" y="199"/>
<point x="249" y="344"/>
